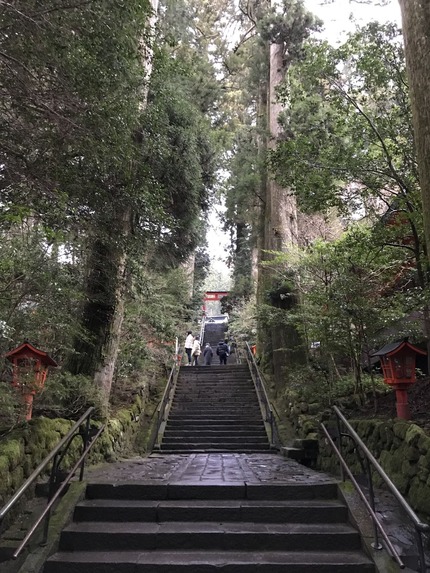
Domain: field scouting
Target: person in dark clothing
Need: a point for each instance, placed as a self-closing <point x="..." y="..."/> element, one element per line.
<point x="222" y="352"/>
<point x="207" y="354"/>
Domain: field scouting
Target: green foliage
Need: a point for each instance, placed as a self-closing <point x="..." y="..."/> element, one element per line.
<point x="40" y="290"/>
<point x="348" y="129"/>
<point x="67" y="396"/>
<point x="346" y="308"/>
<point x="158" y="311"/>
<point x="289" y="26"/>
<point x="69" y="132"/>
<point x="11" y="407"/>
<point x="312" y="385"/>
<point x="179" y="153"/>
<point x="243" y="322"/>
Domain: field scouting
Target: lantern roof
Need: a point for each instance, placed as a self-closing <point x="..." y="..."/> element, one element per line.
<point x="395" y="347"/>
<point x="27" y="348"/>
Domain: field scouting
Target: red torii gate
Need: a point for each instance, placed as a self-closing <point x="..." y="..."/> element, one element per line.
<point x="213" y="296"/>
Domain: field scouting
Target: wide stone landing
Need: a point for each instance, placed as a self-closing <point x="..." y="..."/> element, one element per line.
<point x="201" y="513"/>
<point x="202" y="468"/>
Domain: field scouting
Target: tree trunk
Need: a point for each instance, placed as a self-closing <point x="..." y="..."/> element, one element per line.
<point x="416" y="31"/>
<point x="281" y="210"/>
<point x="280" y="234"/>
<point x="96" y="353"/>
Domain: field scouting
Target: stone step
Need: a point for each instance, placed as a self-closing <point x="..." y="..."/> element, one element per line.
<point x="211" y="394"/>
<point x="208" y="562"/>
<point x="214" y="440"/>
<point x="220" y="411"/>
<point x="304" y="511"/>
<point x="215" y="398"/>
<point x="216" y="401"/>
<point x="204" y="374"/>
<point x="211" y="417"/>
<point x="237" y="449"/>
<point x="233" y="490"/>
<point x="215" y="446"/>
<point x="225" y="383"/>
<point x="229" y="536"/>
<point x="214" y="432"/>
<point x="209" y="420"/>
<point x="227" y="430"/>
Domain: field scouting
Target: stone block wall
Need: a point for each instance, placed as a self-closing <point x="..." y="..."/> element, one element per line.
<point x="401" y="447"/>
<point x="25" y="449"/>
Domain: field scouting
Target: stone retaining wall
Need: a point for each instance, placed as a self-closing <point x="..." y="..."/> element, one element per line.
<point x="401" y="447"/>
<point x="24" y="450"/>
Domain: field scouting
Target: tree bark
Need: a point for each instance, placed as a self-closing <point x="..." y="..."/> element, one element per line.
<point x="416" y="32"/>
<point x="281" y="209"/>
<point x="96" y="353"/>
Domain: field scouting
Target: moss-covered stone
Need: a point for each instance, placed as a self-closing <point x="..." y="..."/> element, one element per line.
<point x="424" y="443"/>
<point x="409" y="469"/>
<point x="13" y="450"/>
<point x="400" y="429"/>
<point x="423" y="470"/>
<point x="419" y="496"/>
<point x="124" y="417"/>
<point x="412" y="454"/>
<point x="413" y="435"/>
<point x="17" y="477"/>
<point x="4" y="469"/>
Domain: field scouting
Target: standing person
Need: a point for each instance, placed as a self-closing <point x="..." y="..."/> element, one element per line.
<point x="189" y="341"/>
<point x="222" y="352"/>
<point x="207" y="354"/>
<point x="195" y="353"/>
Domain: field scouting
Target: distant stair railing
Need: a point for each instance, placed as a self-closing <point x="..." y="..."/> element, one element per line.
<point x="202" y="330"/>
<point x="344" y="429"/>
<point x="263" y="398"/>
<point x="59" y="479"/>
<point x="163" y="407"/>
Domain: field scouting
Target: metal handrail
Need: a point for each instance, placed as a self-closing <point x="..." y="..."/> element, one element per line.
<point x="419" y="526"/>
<point x="47" y="511"/>
<point x="263" y="397"/>
<point x="56" y="455"/>
<point x="163" y="404"/>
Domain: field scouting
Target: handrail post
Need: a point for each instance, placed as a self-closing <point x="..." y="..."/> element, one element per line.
<point x="421" y="552"/>
<point x="272" y="433"/>
<point x="263" y="398"/>
<point x="375" y="544"/>
<point x="339" y="435"/>
<point x="51" y="491"/>
<point x="86" y="440"/>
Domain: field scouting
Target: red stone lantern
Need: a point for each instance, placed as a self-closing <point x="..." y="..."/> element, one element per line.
<point x="30" y="368"/>
<point x="398" y="367"/>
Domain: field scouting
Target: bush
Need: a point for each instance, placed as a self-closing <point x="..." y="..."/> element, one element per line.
<point x="67" y="396"/>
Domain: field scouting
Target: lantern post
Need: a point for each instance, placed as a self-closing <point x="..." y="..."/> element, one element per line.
<point x="30" y="368"/>
<point x="398" y="367"/>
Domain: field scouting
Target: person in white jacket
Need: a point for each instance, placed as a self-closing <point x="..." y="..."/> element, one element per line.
<point x="189" y="341"/>
<point x="195" y="353"/>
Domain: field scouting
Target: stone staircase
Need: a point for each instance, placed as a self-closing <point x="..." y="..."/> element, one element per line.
<point x="238" y="527"/>
<point x="215" y="409"/>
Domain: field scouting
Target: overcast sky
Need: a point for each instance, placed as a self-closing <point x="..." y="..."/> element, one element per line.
<point x="338" y="15"/>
